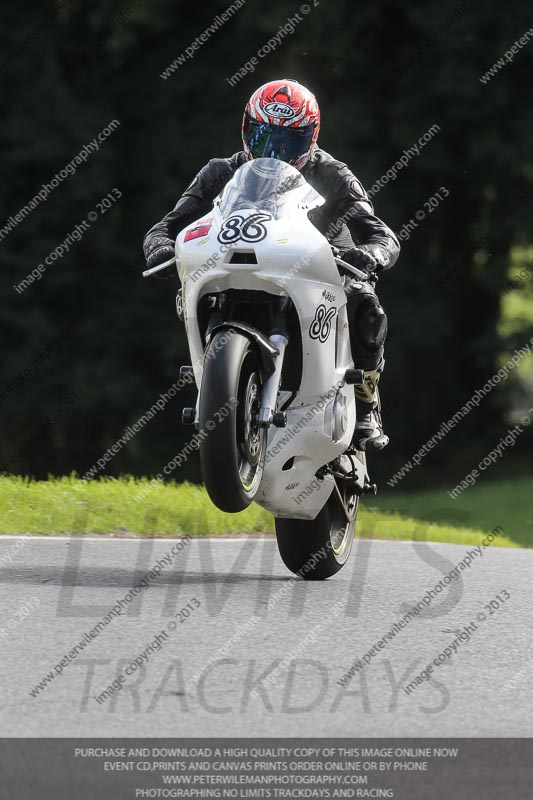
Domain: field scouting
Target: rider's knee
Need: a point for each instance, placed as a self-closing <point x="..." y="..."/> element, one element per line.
<point x="368" y="323"/>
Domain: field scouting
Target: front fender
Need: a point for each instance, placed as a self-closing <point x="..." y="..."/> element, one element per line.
<point x="266" y="350"/>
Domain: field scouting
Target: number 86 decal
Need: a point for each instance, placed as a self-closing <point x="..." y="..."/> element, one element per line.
<point x="320" y="327"/>
<point x="249" y="229"/>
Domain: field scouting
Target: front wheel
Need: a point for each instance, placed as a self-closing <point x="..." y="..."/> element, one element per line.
<point x="316" y="549"/>
<point x="232" y="445"/>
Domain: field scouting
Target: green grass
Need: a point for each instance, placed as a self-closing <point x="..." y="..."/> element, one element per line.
<point x="65" y="505"/>
<point x="62" y="505"/>
<point x="507" y="503"/>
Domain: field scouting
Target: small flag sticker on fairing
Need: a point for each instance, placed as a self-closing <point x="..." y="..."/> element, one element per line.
<point x="199" y="230"/>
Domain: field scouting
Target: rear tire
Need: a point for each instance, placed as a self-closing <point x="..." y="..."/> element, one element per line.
<point x="232" y="451"/>
<point x="317" y="549"/>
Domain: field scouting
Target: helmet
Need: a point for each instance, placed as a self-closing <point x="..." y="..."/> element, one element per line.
<point x="281" y="120"/>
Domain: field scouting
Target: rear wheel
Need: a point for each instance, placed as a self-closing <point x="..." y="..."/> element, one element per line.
<point x="317" y="549"/>
<point x="232" y="445"/>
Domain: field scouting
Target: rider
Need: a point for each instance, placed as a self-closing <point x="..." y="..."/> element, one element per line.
<point x="282" y="120"/>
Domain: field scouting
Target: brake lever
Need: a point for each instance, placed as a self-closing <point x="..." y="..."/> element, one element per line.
<point x="359" y="274"/>
<point x="159" y="268"/>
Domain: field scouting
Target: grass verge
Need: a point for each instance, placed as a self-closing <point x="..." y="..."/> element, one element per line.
<point x="504" y="503"/>
<point x="133" y="506"/>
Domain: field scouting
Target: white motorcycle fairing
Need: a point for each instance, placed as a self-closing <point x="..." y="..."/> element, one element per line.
<point x="260" y="238"/>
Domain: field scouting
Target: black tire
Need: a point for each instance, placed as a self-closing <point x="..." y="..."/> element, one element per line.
<point x="232" y="451"/>
<point x="317" y="549"/>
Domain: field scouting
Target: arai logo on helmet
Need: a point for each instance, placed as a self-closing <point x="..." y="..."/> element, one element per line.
<point x="279" y="110"/>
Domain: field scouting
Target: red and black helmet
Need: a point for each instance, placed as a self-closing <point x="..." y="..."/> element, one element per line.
<point x="281" y="120"/>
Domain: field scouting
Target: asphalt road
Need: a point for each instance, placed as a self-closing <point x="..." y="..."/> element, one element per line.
<point x="245" y="617"/>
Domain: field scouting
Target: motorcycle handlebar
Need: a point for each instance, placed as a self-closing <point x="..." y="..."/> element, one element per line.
<point x="363" y="276"/>
<point x="153" y="270"/>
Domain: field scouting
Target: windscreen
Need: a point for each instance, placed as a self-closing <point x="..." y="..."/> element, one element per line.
<point x="268" y="184"/>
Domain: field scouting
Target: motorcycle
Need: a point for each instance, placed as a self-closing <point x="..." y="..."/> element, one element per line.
<point x="265" y="315"/>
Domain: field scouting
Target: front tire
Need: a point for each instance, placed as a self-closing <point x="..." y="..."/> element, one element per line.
<point x="317" y="549"/>
<point x="232" y="445"/>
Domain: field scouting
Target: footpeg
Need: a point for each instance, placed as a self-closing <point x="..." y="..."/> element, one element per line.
<point x="354" y="377"/>
<point x="188" y="415"/>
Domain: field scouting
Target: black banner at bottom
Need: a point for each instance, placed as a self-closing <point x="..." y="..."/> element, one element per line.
<point x="126" y="769"/>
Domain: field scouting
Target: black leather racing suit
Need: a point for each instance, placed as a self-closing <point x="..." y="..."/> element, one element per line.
<point x="346" y="219"/>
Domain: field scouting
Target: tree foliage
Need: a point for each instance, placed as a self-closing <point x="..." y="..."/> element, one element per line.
<point x="384" y="73"/>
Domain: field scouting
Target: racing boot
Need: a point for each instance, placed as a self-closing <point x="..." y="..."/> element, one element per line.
<point x="368" y="433"/>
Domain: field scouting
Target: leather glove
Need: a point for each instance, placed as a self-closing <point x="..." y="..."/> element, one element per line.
<point x="162" y="250"/>
<point x="361" y="259"/>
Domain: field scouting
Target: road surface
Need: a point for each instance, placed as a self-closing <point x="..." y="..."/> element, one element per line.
<point x="219" y="615"/>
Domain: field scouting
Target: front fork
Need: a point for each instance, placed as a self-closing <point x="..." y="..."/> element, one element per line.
<point x="267" y="412"/>
<point x="279" y="340"/>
